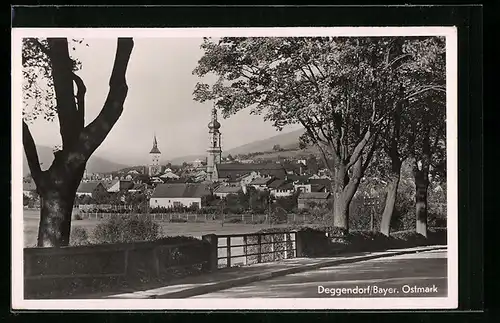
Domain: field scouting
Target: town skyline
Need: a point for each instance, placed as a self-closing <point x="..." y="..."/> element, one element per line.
<point x="159" y="102"/>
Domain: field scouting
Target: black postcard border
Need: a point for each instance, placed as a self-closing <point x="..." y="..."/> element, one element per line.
<point x="468" y="20"/>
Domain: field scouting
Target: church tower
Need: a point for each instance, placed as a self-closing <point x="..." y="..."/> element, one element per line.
<point x="154" y="165"/>
<point x="214" y="149"/>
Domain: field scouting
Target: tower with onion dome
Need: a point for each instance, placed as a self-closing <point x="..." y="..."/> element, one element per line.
<point x="154" y="154"/>
<point x="214" y="147"/>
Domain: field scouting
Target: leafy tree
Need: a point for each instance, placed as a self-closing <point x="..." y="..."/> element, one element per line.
<point x="48" y="61"/>
<point x="339" y="89"/>
<point x="428" y="154"/>
<point x="419" y="77"/>
<point x="276" y="147"/>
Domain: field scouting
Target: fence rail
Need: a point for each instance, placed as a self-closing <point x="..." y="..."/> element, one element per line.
<point x="193" y="217"/>
<point x="282" y="245"/>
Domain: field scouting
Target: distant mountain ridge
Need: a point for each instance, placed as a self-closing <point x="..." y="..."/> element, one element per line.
<point x="96" y="164"/>
<point x="289" y="140"/>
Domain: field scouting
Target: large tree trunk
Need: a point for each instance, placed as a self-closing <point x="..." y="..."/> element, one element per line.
<point x="421" y="186"/>
<point x="344" y="189"/>
<point x="390" y="200"/>
<point x="55" y="216"/>
<point x="57" y="186"/>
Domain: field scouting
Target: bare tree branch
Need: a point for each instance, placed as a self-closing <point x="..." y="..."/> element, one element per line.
<point x="80" y="100"/>
<point x="31" y="153"/>
<point x="95" y="132"/>
<point x="62" y="74"/>
<point x="425" y="89"/>
<point x="358" y="150"/>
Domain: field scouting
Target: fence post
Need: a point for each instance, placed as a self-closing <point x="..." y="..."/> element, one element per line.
<point x="286" y="245"/>
<point x="242" y="217"/>
<point x="213" y="254"/>
<point x="259" y="253"/>
<point x="125" y="263"/>
<point x="156" y="261"/>
<point x="272" y="247"/>
<point x="299" y="250"/>
<point x="228" y="252"/>
<point x="245" y="249"/>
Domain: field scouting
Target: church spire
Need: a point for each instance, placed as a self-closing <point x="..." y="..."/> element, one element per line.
<point x="155" y="149"/>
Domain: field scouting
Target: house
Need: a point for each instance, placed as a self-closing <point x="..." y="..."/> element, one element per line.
<point x="197" y="163"/>
<point x="92" y="189"/>
<point x="118" y="185"/>
<point x="261" y="183"/>
<point x="320" y="185"/>
<point x="137" y="187"/>
<point x="169" y="175"/>
<point x="179" y="195"/>
<point x="29" y="188"/>
<point x="156" y="180"/>
<point x="244" y="180"/>
<point x="319" y="198"/>
<point x="281" y="188"/>
<point x="223" y="191"/>
<point x="232" y="171"/>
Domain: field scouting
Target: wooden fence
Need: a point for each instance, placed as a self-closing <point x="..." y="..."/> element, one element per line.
<point x="59" y="270"/>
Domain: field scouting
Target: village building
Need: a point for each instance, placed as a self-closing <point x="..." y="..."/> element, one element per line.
<point x="231" y="171"/>
<point x="138" y="188"/>
<point x="261" y="183"/>
<point x="29" y="188"/>
<point x="154" y="164"/>
<point x="223" y="191"/>
<point x="281" y="188"/>
<point x="197" y="163"/>
<point x="91" y="189"/>
<point x="118" y="185"/>
<point x="214" y="147"/>
<point x="306" y="200"/>
<point x="169" y="175"/>
<point x="179" y="195"/>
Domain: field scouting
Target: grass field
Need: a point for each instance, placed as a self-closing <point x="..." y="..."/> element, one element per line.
<point x="32" y="217"/>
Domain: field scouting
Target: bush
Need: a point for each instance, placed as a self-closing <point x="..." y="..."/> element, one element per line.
<point x="279" y="216"/>
<point x="78" y="237"/>
<point x="126" y="228"/>
<point x="178" y="220"/>
<point x="233" y="220"/>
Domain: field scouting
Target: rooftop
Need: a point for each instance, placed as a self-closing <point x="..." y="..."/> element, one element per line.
<point x="228" y="189"/>
<point x="261" y="181"/>
<point x="87" y="187"/>
<point x="181" y="190"/>
<point x="314" y="195"/>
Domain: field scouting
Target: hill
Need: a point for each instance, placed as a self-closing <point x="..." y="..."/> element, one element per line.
<point x="287" y="141"/>
<point x="95" y="164"/>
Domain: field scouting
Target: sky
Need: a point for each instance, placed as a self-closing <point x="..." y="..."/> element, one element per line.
<point x="159" y="101"/>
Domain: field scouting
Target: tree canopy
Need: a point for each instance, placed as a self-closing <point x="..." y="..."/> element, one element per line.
<point x="342" y="90"/>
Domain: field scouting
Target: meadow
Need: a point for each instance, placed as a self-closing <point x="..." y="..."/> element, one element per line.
<point x="195" y="229"/>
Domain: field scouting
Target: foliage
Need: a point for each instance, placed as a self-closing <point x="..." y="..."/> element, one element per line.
<point x="341" y="90"/>
<point x="126" y="228"/>
<point x="79" y="237"/>
<point x="38" y="86"/>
